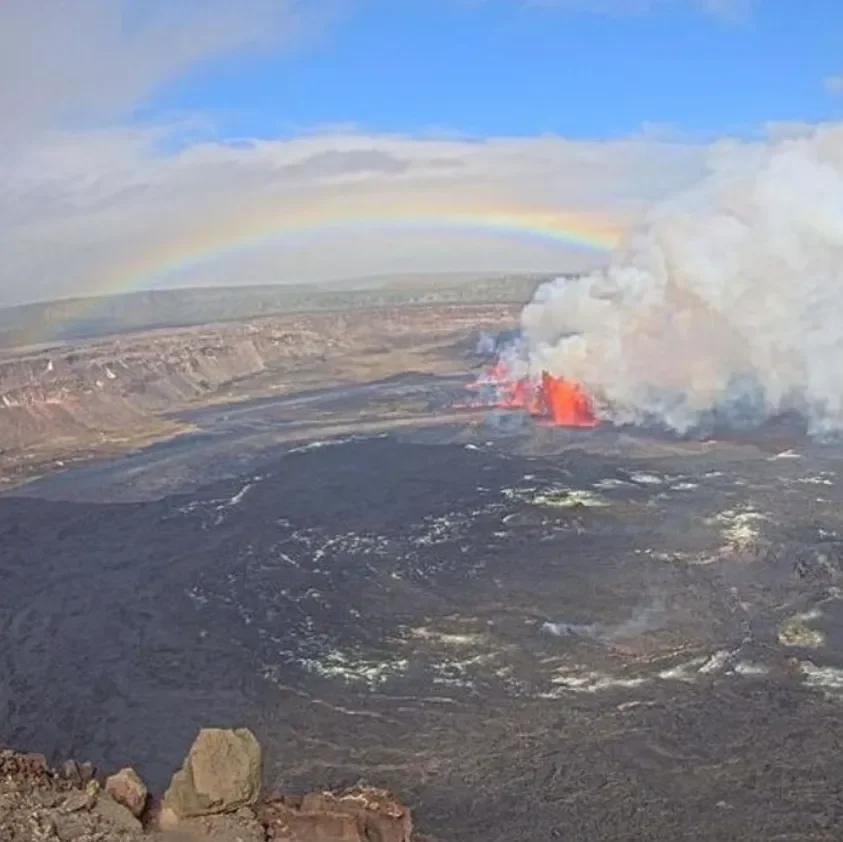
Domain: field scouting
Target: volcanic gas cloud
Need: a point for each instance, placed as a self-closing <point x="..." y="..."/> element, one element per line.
<point x="726" y="303"/>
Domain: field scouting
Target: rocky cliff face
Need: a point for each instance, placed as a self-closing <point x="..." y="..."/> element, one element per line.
<point x="215" y="796"/>
<point x="105" y="388"/>
<point x="116" y="391"/>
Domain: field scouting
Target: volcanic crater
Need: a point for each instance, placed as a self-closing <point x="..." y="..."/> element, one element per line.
<point x="527" y="631"/>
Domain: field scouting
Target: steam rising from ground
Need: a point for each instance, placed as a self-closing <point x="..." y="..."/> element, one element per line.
<point x="727" y="303"/>
<point x="646" y="618"/>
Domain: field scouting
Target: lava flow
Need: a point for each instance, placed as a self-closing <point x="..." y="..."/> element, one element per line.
<point x="566" y="403"/>
<point x="562" y="402"/>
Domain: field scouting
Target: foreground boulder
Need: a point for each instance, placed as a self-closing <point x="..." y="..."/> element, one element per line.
<point x="221" y="773"/>
<point x="362" y="814"/>
<point x="215" y="797"/>
<point x="127" y="788"/>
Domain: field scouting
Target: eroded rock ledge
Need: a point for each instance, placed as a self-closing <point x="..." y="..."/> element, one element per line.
<point x="63" y="404"/>
<point x="217" y="794"/>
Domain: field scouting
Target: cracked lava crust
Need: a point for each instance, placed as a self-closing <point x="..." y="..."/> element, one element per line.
<point x="547" y="634"/>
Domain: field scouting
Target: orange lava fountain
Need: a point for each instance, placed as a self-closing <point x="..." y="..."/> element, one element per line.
<point x="562" y="402"/>
<point x="566" y="403"/>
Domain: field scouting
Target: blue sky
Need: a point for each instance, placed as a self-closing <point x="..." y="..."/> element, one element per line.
<point x="501" y="67"/>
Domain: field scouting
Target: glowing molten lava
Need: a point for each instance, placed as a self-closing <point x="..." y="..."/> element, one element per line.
<point x="566" y="403"/>
<point x="563" y="402"/>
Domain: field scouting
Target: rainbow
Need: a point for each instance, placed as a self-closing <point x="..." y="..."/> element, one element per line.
<point x="233" y="232"/>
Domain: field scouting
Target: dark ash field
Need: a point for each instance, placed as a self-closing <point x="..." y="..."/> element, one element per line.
<point x="528" y="633"/>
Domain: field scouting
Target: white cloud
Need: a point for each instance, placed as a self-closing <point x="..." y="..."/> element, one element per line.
<point x="94" y="211"/>
<point x="91" y="205"/>
<point x="834" y="84"/>
<point x="98" y="58"/>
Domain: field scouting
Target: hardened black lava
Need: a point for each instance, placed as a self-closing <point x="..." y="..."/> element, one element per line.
<point x="548" y="635"/>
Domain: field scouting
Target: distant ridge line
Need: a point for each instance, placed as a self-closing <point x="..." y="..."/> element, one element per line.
<point x="52" y="321"/>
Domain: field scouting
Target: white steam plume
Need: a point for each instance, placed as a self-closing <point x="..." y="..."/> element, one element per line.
<point x="727" y="303"/>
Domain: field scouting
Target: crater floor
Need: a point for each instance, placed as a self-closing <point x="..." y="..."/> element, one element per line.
<point x="529" y="633"/>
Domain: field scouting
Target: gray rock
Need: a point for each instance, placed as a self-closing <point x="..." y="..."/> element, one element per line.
<point x="78" y="801"/>
<point x="224" y="828"/>
<point x="69" y="828"/>
<point x="221" y="773"/>
<point x="41" y="826"/>
<point x="87" y="771"/>
<point x="70" y="771"/>
<point x="77" y="773"/>
<point x="49" y="798"/>
<point x="116" y="814"/>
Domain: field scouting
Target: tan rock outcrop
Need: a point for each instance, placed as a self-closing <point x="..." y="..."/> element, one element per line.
<point x="221" y="773"/>
<point x="215" y="796"/>
<point x="127" y="788"/>
<point x="362" y="814"/>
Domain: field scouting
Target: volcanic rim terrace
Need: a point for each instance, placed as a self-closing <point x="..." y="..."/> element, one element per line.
<point x="66" y="404"/>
